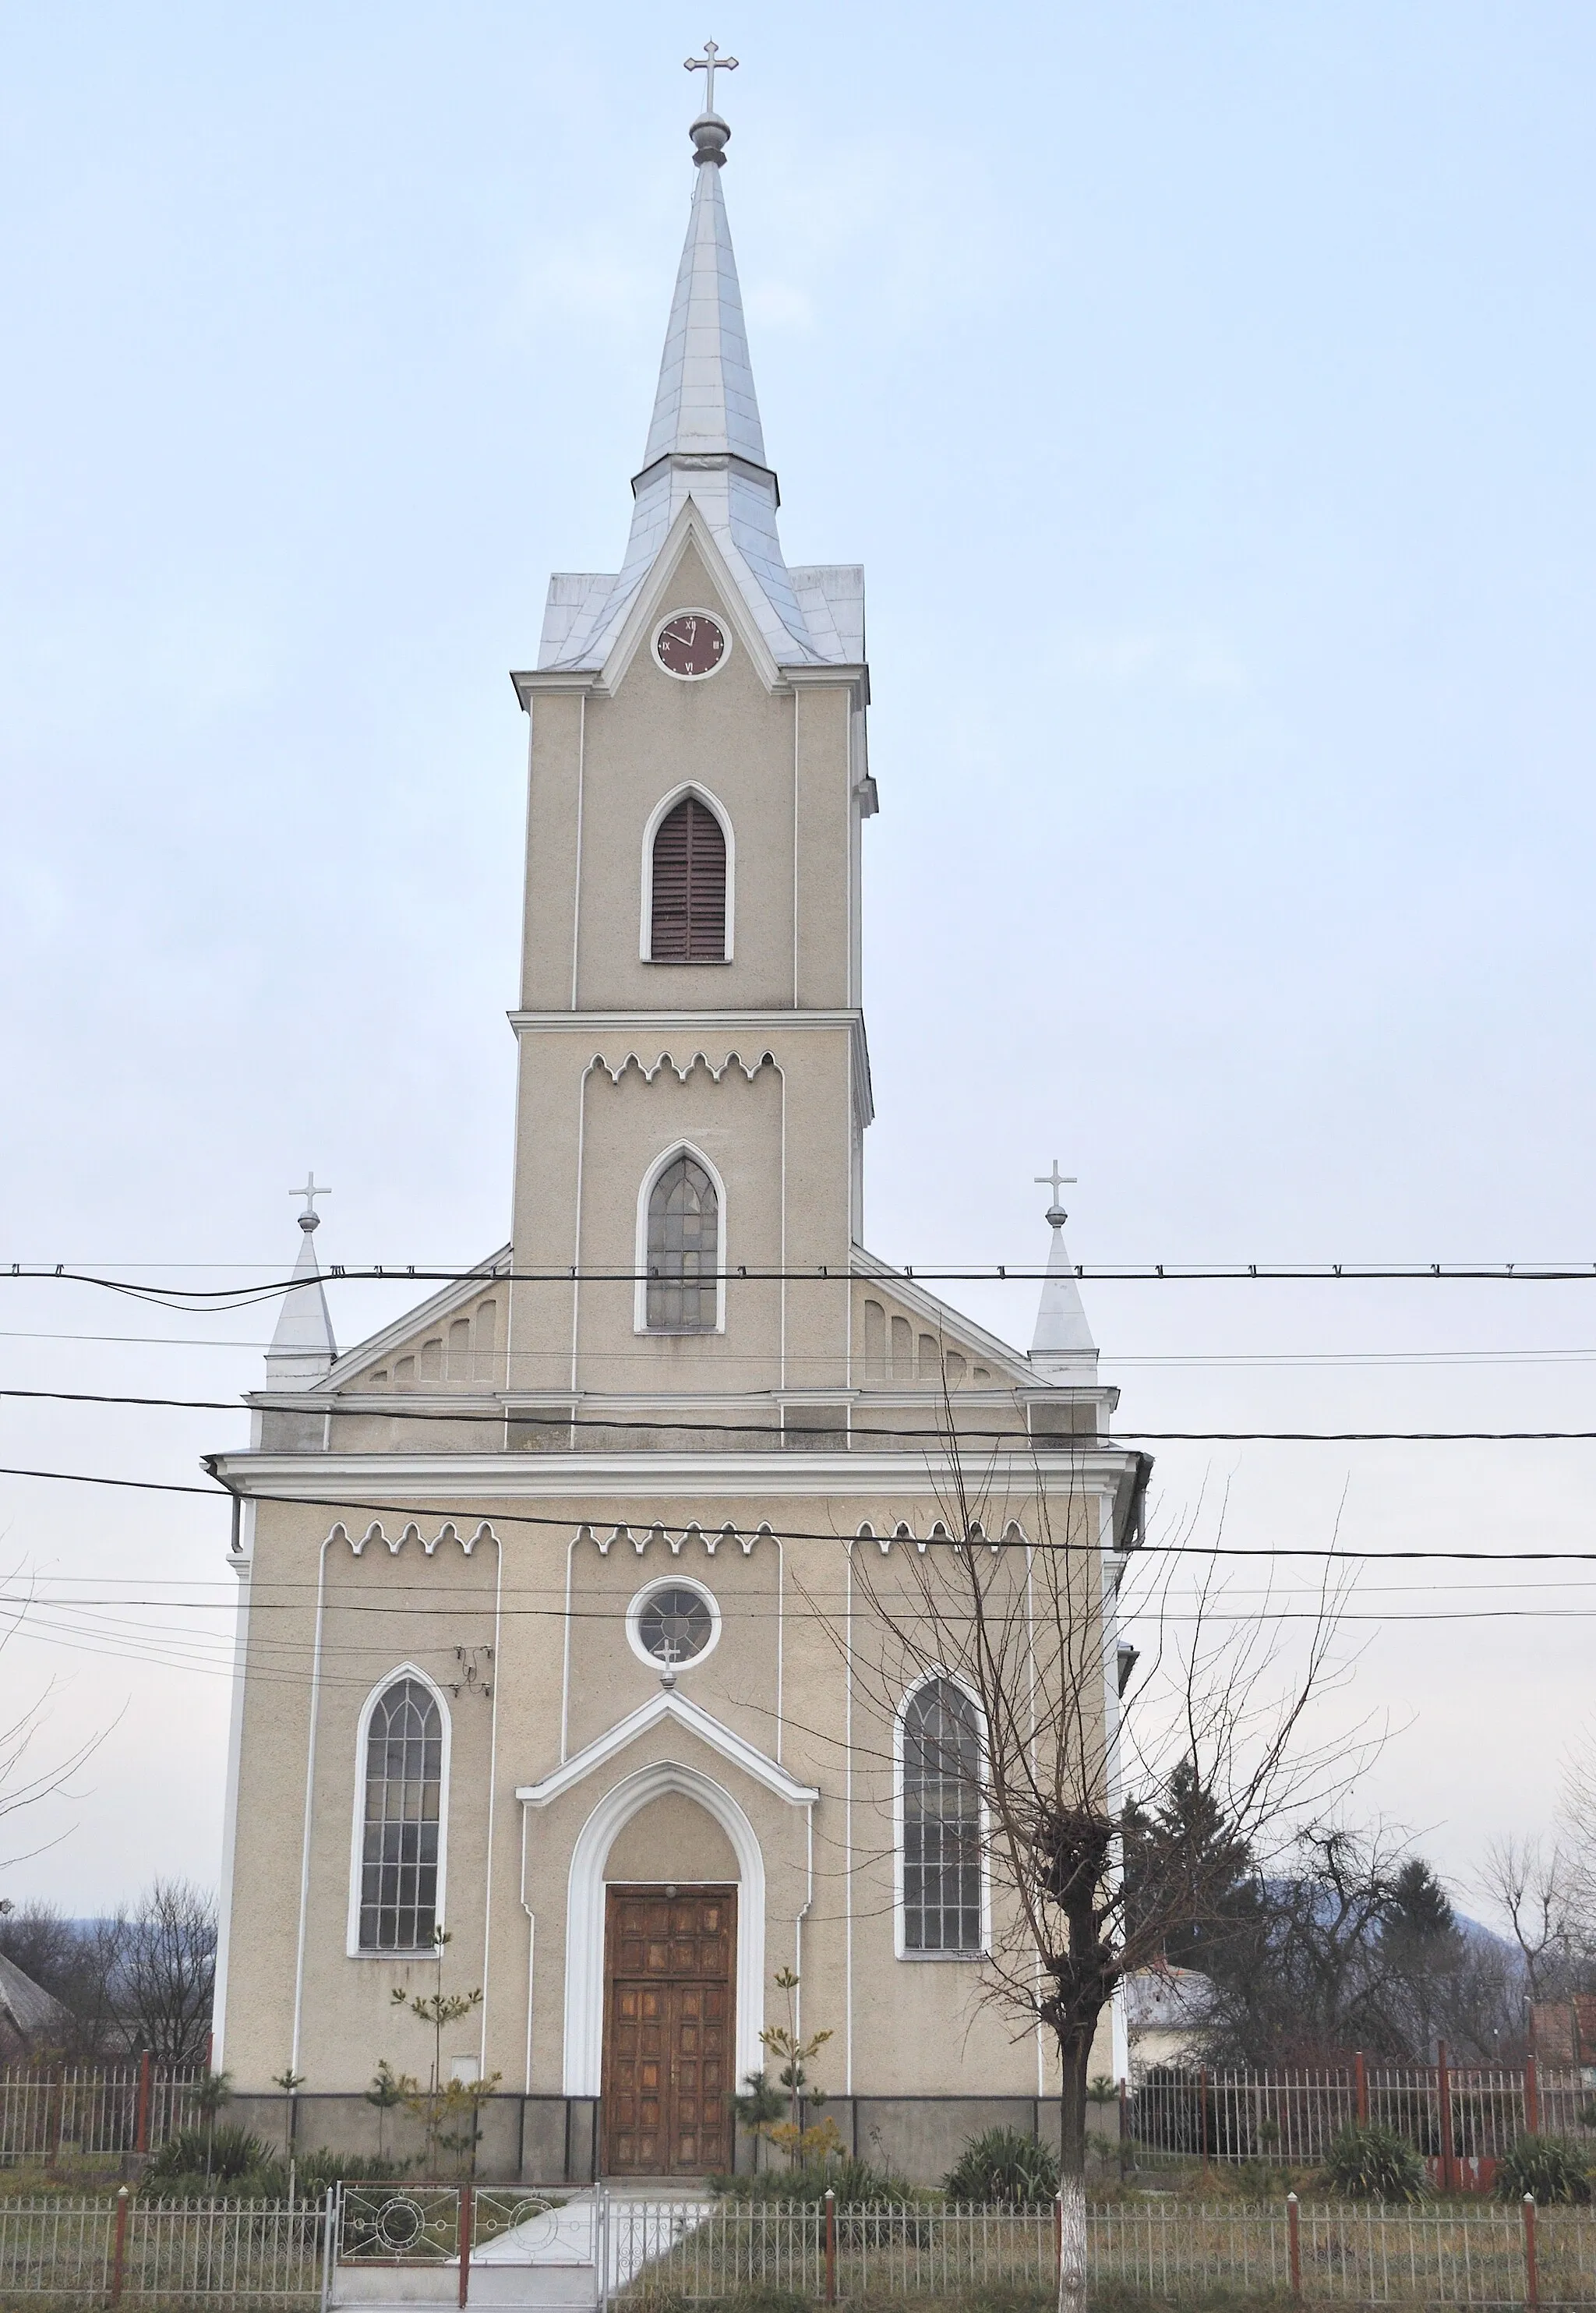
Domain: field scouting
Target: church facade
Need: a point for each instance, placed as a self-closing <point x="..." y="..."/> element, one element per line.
<point x="552" y="1635"/>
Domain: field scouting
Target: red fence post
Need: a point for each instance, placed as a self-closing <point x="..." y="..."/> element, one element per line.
<point x="830" y="2246"/>
<point x="1360" y="2079"/>
<point x="1448" y="2166"/>
<point x="1532" y="2097"/>
<point x="465" y="2241"/>
<point x="1294" y="2237"/>
<point x="1531" y="2278"/>
<point x="119" y="2254"/>
<point x="141" y="2131"/>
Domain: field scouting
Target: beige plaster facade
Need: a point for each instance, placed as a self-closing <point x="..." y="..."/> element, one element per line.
<point x="476" y="1496"/>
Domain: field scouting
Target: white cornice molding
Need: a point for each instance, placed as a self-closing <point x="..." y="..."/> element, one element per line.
<point x="669" y="1704"/>
<point x="807" y="676"/>
<point x="684" y="1024"/>
<point x="340" y="1480"/>
<point x="530" y="681"/>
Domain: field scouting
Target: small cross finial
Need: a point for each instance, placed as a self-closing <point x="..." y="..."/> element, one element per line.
<point x="310" y="1218"/>
<point x="709" y="64"/>
<point x="1055" y="1180"/>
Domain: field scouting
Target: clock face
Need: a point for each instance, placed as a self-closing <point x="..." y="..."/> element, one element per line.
<point x="690" y="645"/>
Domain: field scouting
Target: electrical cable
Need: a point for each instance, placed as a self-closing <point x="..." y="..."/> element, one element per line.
<point x="249" y="1296"/>
<point x="1021" y="1441"/>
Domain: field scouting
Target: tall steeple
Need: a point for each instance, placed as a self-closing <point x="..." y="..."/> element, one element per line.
<point x="704" y="404"/>
<point x="706" y="446"/>
<point x="302" y="1346"/>
<point x="1062" y="1348"/>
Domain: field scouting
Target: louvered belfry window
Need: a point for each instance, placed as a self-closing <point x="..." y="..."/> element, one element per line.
<point x="688" y="918"/>
<point x="684" y="1236"/>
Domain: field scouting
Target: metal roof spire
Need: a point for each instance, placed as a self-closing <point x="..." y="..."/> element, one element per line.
<point x="706" y="449"/>
<point x="302" y="1347"/>
<point x="704" y="404"/>
<point x="1062" y="1348"/>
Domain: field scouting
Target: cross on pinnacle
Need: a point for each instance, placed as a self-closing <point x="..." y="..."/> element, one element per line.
<point x="709" y="64"/>
<point x="1055" y="1180"/>
<point x="310" y="1218"/>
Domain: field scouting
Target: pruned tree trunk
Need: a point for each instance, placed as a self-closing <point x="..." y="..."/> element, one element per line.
<point x="1074" y="2053"/>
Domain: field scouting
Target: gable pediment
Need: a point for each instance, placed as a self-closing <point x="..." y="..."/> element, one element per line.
<point x="910" y="1338"/>
<point x="453" y="1341"/>
<point x="670" y="1706"/>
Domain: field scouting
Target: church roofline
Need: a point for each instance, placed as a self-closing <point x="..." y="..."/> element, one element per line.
<point x="425" y="1313"/>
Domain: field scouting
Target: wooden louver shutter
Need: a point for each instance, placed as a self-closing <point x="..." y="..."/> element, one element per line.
<point x="689" y="886"/>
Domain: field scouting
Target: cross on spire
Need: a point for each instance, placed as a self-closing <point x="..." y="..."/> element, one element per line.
<point x="709" y="64"/>
<point x="310" y="1218"/>
<point x="1055" y="1180"/>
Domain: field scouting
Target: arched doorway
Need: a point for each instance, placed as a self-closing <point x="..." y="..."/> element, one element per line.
<point x="665" y="1960"/>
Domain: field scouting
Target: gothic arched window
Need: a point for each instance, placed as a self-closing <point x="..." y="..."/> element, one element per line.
<point x="402" y="1821"/>
<point x="684" y="1237"/>
<point x="941" y="1820"/>
<point x="688" y="911"/>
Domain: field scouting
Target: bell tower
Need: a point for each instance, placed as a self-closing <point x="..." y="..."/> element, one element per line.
<point x="694" y="1080"/>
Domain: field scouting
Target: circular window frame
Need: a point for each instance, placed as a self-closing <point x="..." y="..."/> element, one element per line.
<point x="691" y="611"/>
<point x="652" y="1591"/>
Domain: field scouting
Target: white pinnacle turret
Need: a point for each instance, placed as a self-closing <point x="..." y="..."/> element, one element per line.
<point x="1062" y="1348"/>
<point x="302" y="1347"/>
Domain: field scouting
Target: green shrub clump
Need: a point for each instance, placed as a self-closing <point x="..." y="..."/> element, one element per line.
<point x="218" y="2157"/>
<point x="1003" y="2167"/>
<point x="231" y="2164"/>
<point x="856" y="2185"/>
<point x="1375" y="2164"/>
<point x="1554" y="2168"/>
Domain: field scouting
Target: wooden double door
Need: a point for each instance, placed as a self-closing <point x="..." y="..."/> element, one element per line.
<point x="670" y="2029"/>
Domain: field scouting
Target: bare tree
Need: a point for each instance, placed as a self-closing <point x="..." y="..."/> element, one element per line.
<point x="1577" y="1821"/>
<point x="80" y="1963"/>
<point x="1014" y="1604"/>
<point x="170" y="1972"/>
<point x="1537" y="1887"/>
<point x="23" y="1783"/>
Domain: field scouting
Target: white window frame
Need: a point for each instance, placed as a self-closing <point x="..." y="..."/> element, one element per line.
<point x="640" y="1324"/>
<point x="634" y="1616"/>
<point x="900" y="1937"/>
<point x="354" y="1948"/>
<point x="668" y="802"/>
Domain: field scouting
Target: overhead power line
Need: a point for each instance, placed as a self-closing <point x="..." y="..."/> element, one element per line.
<point x="246" y="1296"/>
<point x="963" y="1434"/>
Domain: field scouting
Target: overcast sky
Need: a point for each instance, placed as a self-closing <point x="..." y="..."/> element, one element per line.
<point x="1207" y="392"/>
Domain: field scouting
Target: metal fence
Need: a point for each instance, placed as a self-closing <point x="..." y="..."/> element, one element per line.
<point x="658" y="2253"/>
<point x="160" y="2252"/>
<point x="1450" y="2113"/>
<point x="645" y="2254"/>
<point x="49" y="2114"/>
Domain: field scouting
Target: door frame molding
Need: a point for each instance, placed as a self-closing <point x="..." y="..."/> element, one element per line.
<point x="584" y="1917"/>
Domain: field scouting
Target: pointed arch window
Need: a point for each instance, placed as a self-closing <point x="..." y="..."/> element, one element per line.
<point x="940" y="1757"/>
<point x="687" y="910"/>
<point x="684" y="1242"/>
<point x="401" y="1830"/>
